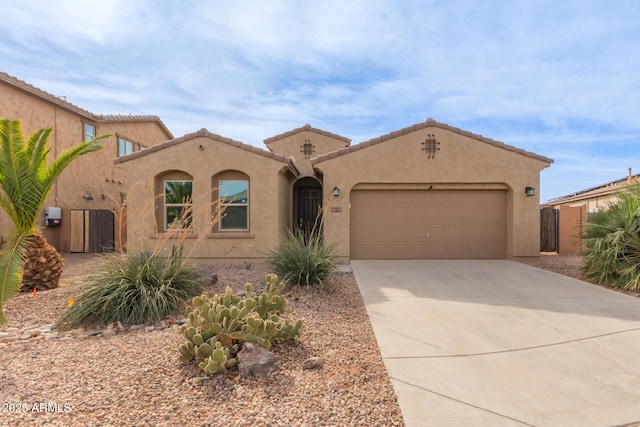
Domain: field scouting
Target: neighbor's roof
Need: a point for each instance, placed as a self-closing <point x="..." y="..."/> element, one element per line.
<point x="215" y="137"/>
<point x="599" y="190"/>
<point x="418" y="126"/>
<point x="309" y="128"/>
<point x="61" y="102"/>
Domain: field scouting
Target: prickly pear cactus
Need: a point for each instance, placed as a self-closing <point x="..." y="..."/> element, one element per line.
<point x="217" y="326"/>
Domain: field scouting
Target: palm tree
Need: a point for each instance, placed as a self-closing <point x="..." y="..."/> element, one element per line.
<point x="612" y="238"/>
<point x="25" y="180"/>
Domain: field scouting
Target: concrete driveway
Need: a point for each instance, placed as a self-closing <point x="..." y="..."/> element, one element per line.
<point x="499" y="343"/>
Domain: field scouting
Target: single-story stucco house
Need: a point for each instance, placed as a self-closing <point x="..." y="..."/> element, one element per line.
<point x="426" y="191"/>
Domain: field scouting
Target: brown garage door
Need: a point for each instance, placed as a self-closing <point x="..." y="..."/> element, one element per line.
<point x="421" y="224"/>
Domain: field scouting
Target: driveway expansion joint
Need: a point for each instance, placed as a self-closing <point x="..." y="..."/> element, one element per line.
<point x="512" y="350"/>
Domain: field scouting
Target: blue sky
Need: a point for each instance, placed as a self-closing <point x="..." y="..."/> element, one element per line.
<point x="559" y="78"/>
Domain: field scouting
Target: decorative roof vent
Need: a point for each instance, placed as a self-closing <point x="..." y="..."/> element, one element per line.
<point x="430" y="146"/>
<point x="307" y="149"/>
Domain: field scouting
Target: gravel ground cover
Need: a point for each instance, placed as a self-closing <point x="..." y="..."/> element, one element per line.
<point x="132" y="376"/>
<point x="568" y="265"/>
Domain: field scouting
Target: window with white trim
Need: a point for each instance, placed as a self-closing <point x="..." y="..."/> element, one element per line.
<point x="125" y="146"/>
<point x="89" y="132"/>
<point x="234" y="204"/>
<point x="177" y="204"/>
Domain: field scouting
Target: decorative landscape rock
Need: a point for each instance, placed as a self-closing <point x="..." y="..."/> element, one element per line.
<point x="313" y="363"/>
<point x="255" y="360"/>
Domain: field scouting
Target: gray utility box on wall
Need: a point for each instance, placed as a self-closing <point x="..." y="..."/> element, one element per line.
<point x="53" y="216"/>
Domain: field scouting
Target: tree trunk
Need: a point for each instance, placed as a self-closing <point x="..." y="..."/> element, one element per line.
<point x="43" y="266"/>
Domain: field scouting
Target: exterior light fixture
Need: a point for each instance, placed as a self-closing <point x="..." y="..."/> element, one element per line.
<point x="336" y="191"/>
<point x="530" y="191"/>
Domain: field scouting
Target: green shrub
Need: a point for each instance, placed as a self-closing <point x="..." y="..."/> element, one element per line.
<point x="219" y="325"/>
<point x="304" y="258"/>
<point x="134" y="289"/>
<point x="612" y="241"/>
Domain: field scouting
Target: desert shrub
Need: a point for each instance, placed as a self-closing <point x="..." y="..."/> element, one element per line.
<point x="134" y="289"/>
<point x="612" y="241"/>
<point x="219" y="325"/>
<point x="304" y="258"/>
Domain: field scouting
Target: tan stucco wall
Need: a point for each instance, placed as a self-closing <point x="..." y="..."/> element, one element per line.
<point x="203" y="158"/>
<point x="286" y="181"/>
<point x="461" y="162"/>
<point x="93" y="174"/>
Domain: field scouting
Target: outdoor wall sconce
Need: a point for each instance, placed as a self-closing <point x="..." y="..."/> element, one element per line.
<point x="530" y="191"/>
<point x="336" y="191"/>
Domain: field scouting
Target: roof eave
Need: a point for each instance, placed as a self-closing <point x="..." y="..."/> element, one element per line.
<point x="213" y="136"/>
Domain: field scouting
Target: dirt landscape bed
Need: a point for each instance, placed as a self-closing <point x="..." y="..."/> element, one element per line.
<point x="567" y="265"/>
<point x="133" y="377"/>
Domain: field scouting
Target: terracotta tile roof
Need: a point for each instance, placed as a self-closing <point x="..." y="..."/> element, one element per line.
<point x="61" y="102"/>
<point x="428" y="123"/>
<point x="116" y="118"/>
<point x="307" y="127"/>
<point x="215" y="137"/>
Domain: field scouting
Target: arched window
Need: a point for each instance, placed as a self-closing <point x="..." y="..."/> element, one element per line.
<point x="232" y="200"/>
<point x="174" y="209"/>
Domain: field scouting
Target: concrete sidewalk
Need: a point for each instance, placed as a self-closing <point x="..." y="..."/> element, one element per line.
<point x="500" y="343"/>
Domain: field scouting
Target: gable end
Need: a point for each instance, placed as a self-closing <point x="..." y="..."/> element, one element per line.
<point x="309" y="128"/>
<point x="418" y="126"/>
<point x="215" y="137"/>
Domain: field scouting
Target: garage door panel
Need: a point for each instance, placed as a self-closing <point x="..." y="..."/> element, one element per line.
<point x="396" y="224"/>
<point x="457" y="215"/>
<point x="484" y="234"/>
<point x="417" y="216"/>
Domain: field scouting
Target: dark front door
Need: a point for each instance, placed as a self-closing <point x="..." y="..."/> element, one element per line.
<point x="308" y="206"/>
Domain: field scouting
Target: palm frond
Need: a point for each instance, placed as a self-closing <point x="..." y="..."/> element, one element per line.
<point x="36" y="150"/>
<point x="11" y="262"/>
<point x="11" y="143"/>
<point x="48" y="175"/>
<point x="612" y="241"/>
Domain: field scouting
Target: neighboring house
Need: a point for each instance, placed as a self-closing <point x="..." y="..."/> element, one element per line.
<point x="567" y="215"/>
<point x="91" y="188"/>
<point x="427" y="191"/>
